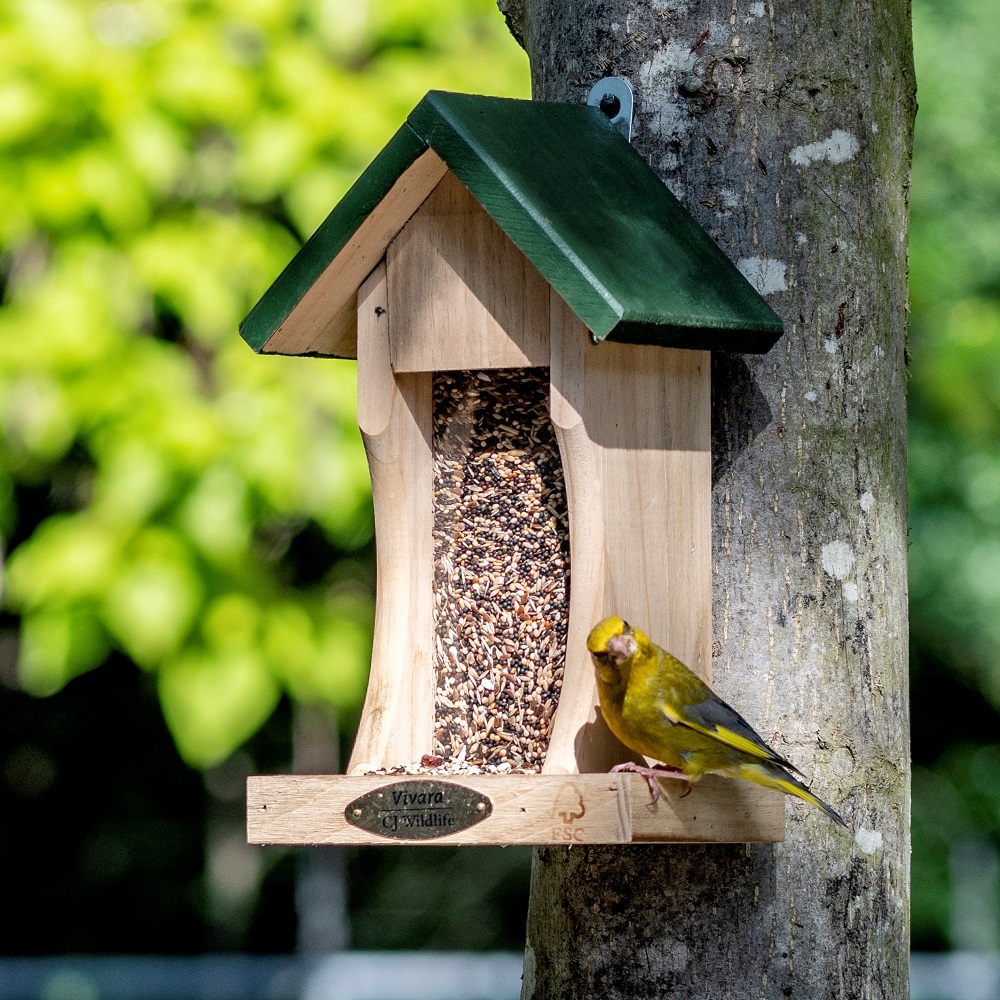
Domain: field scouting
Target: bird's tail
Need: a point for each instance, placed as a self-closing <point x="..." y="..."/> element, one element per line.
<point x="773" y="776"/>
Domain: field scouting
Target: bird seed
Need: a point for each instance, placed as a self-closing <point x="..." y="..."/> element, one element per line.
<point x="501" y="571"/>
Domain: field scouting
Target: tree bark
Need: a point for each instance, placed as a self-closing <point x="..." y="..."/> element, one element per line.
<point x="786" y="130"/>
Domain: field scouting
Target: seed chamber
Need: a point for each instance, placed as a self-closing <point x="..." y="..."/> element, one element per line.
<point x="501" y="569"/>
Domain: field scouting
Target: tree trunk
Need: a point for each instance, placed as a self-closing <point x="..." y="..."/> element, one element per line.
<point x="786" y="130"/>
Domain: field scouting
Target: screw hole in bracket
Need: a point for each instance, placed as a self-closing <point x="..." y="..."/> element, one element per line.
<point x="610" y="105"/>
<point x="613" y="96"/>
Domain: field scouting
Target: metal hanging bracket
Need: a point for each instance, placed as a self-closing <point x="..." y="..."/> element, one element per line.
<point x="613" y="95"/>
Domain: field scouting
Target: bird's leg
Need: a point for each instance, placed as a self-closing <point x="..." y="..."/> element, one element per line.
<point x="652" y="773"/>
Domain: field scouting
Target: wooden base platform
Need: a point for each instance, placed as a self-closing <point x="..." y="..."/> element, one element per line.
<point x="507" y="809"/>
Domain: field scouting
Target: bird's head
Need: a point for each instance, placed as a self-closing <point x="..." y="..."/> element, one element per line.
<point x="612" y="644"/>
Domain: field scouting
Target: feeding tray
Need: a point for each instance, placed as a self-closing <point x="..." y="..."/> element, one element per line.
<point x="531" y="311"/>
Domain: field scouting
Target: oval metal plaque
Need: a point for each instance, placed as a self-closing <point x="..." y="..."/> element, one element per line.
<point x="418" y="810"/>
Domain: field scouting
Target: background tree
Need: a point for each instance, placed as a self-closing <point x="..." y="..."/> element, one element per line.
<point x="786" y="131"/>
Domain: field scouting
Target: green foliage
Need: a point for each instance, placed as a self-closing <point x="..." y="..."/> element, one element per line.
<point x="954" y="461"/>
<point x="955" y="342"/>
<point x="169" y="494"/>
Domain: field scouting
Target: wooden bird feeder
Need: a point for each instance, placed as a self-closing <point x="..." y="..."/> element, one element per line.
<point x="532" y="313"/>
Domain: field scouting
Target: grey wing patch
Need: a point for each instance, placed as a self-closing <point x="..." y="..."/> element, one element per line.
<point x="668" y="718"/>
<point x="713" y="713"/>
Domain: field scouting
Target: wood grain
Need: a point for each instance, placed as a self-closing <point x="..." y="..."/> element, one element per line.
<point x="528" y="809"/>
<point x="325" y="319"/>
<point x="633" y="426"/>
<point x="394" y="413"/>
<point x="461" y="294"/>
<point x="649" y="411"/>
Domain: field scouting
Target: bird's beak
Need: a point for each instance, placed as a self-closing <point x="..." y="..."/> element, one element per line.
<point x="621" y="647"/>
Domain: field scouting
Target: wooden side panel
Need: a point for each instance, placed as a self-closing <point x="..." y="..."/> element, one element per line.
<point x="461" y="294"/>
<point x="528" y="809"/>
<point x="649" y="411"/>
<point x="324" y="321"/>
<point x="633" y="425"/>
<point x="394" y="413"/>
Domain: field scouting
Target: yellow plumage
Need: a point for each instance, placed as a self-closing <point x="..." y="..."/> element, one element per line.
<point x="656" y="705"/>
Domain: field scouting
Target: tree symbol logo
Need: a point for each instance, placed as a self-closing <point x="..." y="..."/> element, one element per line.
<point x="569" y="804"/>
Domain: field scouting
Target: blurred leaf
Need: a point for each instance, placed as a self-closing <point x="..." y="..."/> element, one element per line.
<point x="325" y="663"/>
<point x="68" y="559"/>
<point x="215" y="515"/>
<point x="58" y="645"/>
<point x="214" y="701"/>
<point x="152" y="602"/>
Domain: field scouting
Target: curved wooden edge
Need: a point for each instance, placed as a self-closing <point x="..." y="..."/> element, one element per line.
<point x="394" y="413"/>
<point x="527" y="809"/>
<point x="581" y="470"/>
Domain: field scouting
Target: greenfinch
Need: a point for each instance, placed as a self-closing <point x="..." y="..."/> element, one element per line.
<point x="657" y="706"/>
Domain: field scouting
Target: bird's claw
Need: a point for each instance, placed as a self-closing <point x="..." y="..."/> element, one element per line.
<point x="652" y="773"/>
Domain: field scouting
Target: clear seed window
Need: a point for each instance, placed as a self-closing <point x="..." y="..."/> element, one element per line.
<point x="501" y="570"/>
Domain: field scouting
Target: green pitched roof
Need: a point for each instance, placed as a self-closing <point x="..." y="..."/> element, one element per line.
<point x="579" y="202"/>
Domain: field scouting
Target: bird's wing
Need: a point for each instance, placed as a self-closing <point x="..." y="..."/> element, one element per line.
<point x="713" y="717"/>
